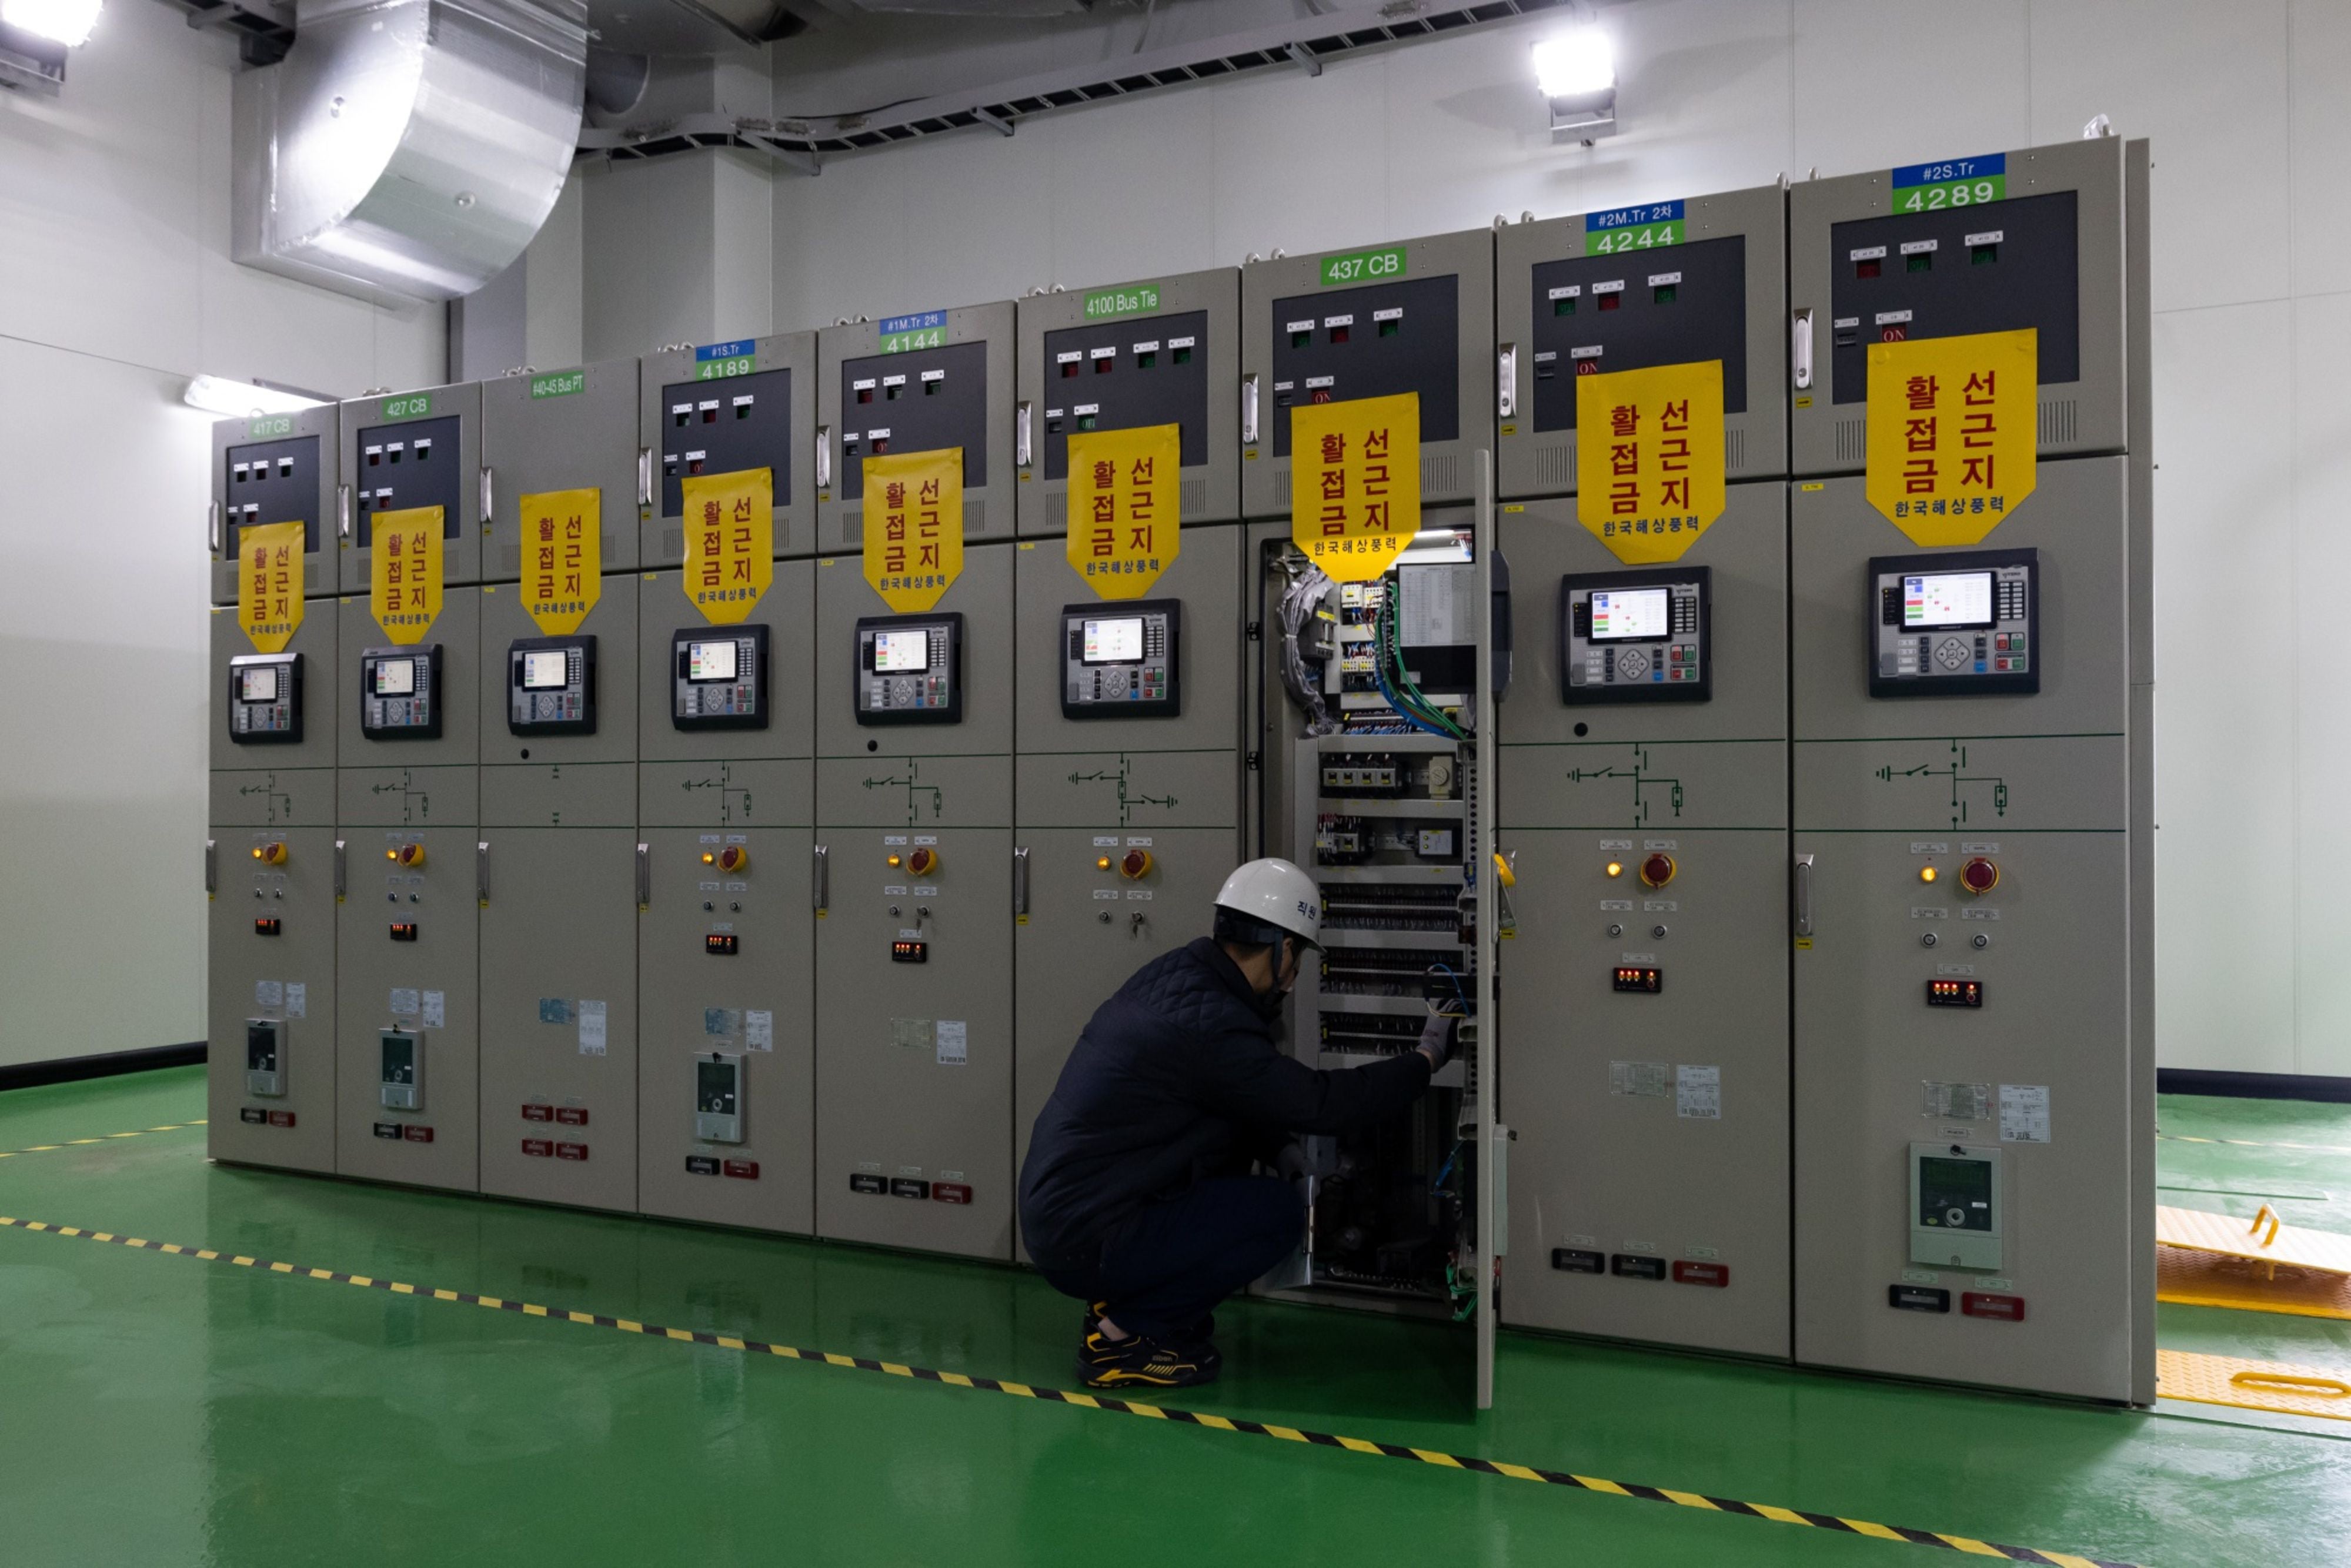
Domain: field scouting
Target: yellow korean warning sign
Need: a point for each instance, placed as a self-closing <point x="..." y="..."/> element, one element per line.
<point x="1354" y="483"/>
<point x="1125" y="524"/>
<point x="1648" y="458"/>
<point x="562" y="557"/>
<point x="913" y="526"/>
<point x="1951" y="433"/>
<point x="269" y="584"/>
<point x="730" y="548"/>
<point x="404" y="572"/>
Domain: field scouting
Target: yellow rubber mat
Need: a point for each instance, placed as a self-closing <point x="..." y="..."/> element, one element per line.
<point x="2264" y="1241"/>
<point x="2208" y="1279"/>
<point x="2286" y="1387"/>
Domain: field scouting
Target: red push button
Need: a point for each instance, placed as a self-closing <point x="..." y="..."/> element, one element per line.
<point x="1984" y="1305"/>
<point x="923" y="861"/>
<point x="743" y="1170"/>
<point x="571" y="1116"/>
<point x="1657" y="870"/>
<point x="1136" y="863"/>
<point x="1686" y="1272"/>
<point x="539" y="1148"/>
<point x="1980" y="875"/>
<point x="539" y="1113"/>
<point x="950" y="1192"/>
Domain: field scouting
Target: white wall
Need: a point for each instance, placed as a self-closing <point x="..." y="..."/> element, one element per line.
<point x="2248" y="105"/>
<point x="116" y="286"/>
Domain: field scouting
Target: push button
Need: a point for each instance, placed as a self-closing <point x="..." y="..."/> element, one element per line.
<point x="1657" y="870"/>
<point x="1980" y="875"/>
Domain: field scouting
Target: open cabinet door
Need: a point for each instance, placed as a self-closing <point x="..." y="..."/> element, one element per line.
<point x="1488" y="1143"/>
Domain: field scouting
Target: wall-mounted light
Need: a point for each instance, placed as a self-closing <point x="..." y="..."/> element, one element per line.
<point x="66" y="22"/>
<point x="234" y="400"/>
<point x="1576" y="72"/>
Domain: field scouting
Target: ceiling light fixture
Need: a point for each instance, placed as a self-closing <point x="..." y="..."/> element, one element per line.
<point x="66" y="22"/>
<point x="1576" y="72"/>
<point x="236" y="400"/>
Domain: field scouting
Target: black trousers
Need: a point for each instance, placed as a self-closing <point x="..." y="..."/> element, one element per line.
<point x="1165" y="1267"/>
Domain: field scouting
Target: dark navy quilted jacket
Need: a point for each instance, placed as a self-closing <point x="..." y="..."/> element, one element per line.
<point x="1176" y="1076"/>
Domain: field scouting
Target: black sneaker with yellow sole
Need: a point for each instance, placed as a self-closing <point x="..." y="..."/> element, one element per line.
<point x="1140" y="1361"/>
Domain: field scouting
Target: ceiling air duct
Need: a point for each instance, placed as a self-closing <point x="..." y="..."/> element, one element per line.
<point x="408" y="149"/>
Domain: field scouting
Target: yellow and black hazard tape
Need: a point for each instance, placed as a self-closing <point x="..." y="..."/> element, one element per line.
<point x="2255" y="1144"/>
<point x="1962" y="1544"/>
<point x="108" y="1139"/>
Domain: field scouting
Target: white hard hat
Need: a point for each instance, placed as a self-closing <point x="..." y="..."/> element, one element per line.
<point x="1270" y="892"/>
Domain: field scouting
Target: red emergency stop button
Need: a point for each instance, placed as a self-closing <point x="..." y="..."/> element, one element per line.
<point x="270" y="853"/>
<point x="1135" y="864"/>
<point x="734" y="857"/>
<point x="1657" y="870"/>
<point x="923" y="861"/>
<point x="1980" y="875"/>
<point x="408" y="855"/>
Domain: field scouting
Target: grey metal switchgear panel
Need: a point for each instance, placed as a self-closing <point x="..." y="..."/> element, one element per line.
<point x="417" y="449"/>
<point x="1127" y="811"/>
<point x="275" y="468"/>
<point x="1630" y="289"/>
<point x="1645" y="993"/>
<point x="918" y="383"/>
<point x="1985" y="244"/>
<point x="722" y="408"/>
<point x="725" y="942"/>
<point x="571" y="430"/>
<point x="1161" y="352"/>
<point x="272" y="873"/>
<point x="913" y="943"/>
<point x="1414" y="317"/>
<point x="558" y="879"/>
<point x="407" y="806"/>
<point x="1967" y="945"/>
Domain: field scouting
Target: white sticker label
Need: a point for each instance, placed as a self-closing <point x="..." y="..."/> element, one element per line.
<point x="1645" y="1079"/>
<point x="1661" y="843"/>
<point x="2024" y="1113"/>
<point x="591" y="1028"/>
<point x="436" y="1009"/>
<point x="1616" y="904"/>
<point x="1306" y="326"/>
<point x="1568" y="291"/>
<point x="1979" y="912"/>
<point x="1962" y="1102"/>
<point x="1069" y="357"/>
<point x="1989" y="236"/>
<point x="297" y="999"/>
<point x="1659" y="279"/>
<point x="1142" y="893"/>
<point x="894" y="838"/>
<point x="1624" y="845"/>
<point x="1589" y="351"/>
<point x="921" y="839"/>
<point x="1698" y="1093"/>
<point x="722" y="1022"/>
<point x="1109" y="893"/>
<point x="1922" y="913"/>
<point x="1393" y="313"/>
<point x="953" y="1051"/>
<point x="1660" y="906"/>
<point x="1613" y="287"/>
<point x="1105" y="840"/>
<point x="1920" y="246"/>
<point x="1866" y="253"/>
<point x="404" y="1002"/>
<point x="1842" y="322"/>
<point x="758" y="1030"/>
<point x="1338" y="320"/>
<point x="1928" y="847"/>
<point x="1978" y="847"/>
<point x="1136" y="843"/>
<point x="269" y="993"/>
<point x="1890" y="318"/>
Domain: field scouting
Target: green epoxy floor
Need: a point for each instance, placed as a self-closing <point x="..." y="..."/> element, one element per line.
<point x="160" y="1410"/>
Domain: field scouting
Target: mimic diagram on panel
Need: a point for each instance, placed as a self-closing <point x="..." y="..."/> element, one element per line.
<point x="1129" y="798"/>
<point x="1650" y="789"/>
<point x="416" y="804"/>
<point x="278" y="805"/>
<point x="916" y="791"/>
<point x="733" y="799"/>
<point x="1971" y="794"/>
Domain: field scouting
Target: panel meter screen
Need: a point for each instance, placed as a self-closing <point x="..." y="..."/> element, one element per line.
<point x="910" y="669"/>
<point x="399" y="693"/>
<point x="1122" y="666"/>
<point x="399" y="1059"/>
<point x="1635" y="636"/>
<point x="1955" y="622"/>
<point x="1947" y="598"/>
<point x="265" y="699"/>
<point x="710" y="661"/>
<point x="719" y="683"/>
<point x="714" y="1088"/>
<point x="1113" y="642"/>
<point x="1632" y="615"/>
<point x="894" y="651"/>
<point x="1955" y="1193"/>
<point x="551" y="686"/>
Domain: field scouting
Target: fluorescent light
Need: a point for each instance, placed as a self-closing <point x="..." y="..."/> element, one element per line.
<point x="1575" y="63"/>
<point x="66" y="22"/>
<point x="231" y="399"/>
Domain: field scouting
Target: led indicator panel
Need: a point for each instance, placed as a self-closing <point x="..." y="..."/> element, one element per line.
<point x="257" y="685"/>
<point x="710" y="661"/>
<point x="1113" y="642"/>
<point x="1638" y="614"/>
<point x="544" y="671"/>
<point x="395" y="678"/>
<point x="897" y="652"/>
<point x="1947" y="598"/>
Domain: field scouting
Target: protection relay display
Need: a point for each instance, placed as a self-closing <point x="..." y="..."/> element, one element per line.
<point x="718" y="1098"/>
<point x="718" y="677"/>
<point x="910" y="669"/>
<point x="265" y="1057"/>
<point x="399" y="693"/>
<point x="551" y="686"/>
<point x="401" y="1069"/>
<point x="1955" y="1206"/>
<point x="1119" y="658"/>
<point x="265" y="699"/>
<point x="1635" y="636"/>
<point x="1956" y="623"/>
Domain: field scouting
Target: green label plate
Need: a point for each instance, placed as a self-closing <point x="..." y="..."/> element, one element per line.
<point x="1363" y="266"/>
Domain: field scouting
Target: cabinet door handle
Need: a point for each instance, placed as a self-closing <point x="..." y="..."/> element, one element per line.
<point x="1021" y="880"/>
<point x="644" y="475"/>
<point x="823" y="457"/>
<point x="212" y="867"/>
<point x="487" y="501"/>
<point x="482" y="872"/>
<point x="1248" y="409"/>
<point x="820" y="880"/>
<point x="1803" y="895"/>
<point x="1800" y="346"/>
<point x="1021" y="424"/>
<point x="342" y="865"/>
<point x="1506" y="384"/>
<point x="213" y="526"/>
<point x="644" y="876"/>
<point x="342" y="511"/>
